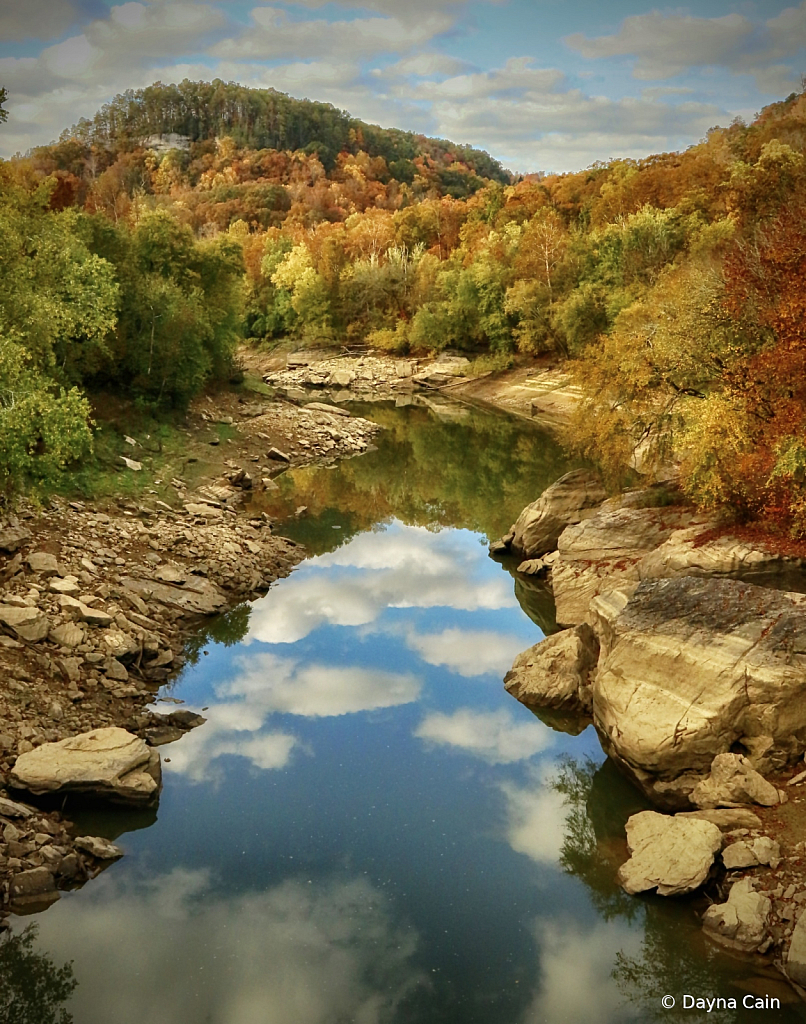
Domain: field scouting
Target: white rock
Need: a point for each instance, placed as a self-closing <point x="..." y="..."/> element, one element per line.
<point x="733" y="782"/>
<point x="673" y="855"/>
<point x="556" y="672"/>
<point x="98" y="847"/>
<point x="110" y="762"/>
<point x="28" y="623"/>
<point x="741" y="923"/>
<point x="540" y="524"/>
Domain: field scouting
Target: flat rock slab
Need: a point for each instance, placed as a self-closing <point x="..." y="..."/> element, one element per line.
<point x="12" y="809"/>
<point x="197" y="596"/>
<point x="673" y="855"/>
<point x="741" y="923"/>
<point x="98" y="847"/>
<point x="726" y="818"/>
<point x="28" y="623"/>
<point x="796" y="957"/>
<point x="108" y="762"/>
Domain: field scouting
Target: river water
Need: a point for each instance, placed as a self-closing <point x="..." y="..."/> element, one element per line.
<point x="368" y="829"/>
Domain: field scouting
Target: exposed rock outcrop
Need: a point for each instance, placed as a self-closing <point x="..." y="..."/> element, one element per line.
<point x="556" y="673"/>
<point x="567" y="501"/>
<point x="673" y="855"/>
<point x="697" y="666"/>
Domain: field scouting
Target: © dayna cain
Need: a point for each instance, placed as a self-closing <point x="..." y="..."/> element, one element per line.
<point x="749" y="1002"/>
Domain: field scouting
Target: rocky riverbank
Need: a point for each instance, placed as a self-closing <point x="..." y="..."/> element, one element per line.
<point x="97" y="602"/>
<point x="684" y="646"/>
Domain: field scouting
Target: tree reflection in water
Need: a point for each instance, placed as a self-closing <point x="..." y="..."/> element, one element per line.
<point x="32" y="988"/>
<point x="675" y="957"/>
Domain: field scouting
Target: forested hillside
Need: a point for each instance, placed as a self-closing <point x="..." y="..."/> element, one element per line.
<point x="675" y="284"/>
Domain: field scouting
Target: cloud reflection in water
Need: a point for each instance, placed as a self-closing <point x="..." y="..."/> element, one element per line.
<point x="174" y="951"/>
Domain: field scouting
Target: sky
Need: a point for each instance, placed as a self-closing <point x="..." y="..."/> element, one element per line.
<point x="543" y="85"/>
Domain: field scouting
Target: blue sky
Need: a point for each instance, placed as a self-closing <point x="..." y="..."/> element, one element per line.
<point x="541" y="84"/>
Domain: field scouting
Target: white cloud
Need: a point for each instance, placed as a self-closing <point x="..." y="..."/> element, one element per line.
<point x="576" y="966"/>
<point x="406" y="567"/>
<point x="468" y="653"/>
<point x="494" y="736"/>
<point x="275" y="35"/>
<point x="424" y="65"/>
<point x="281" y="685"/>
<point x="666" y="45"/>
<point x="36" y="19"/>
<point x="308" y="953"/>
<point x="194" y="755"/>
<point x="535" y="820"/>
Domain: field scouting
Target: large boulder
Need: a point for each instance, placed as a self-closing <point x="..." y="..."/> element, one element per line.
<point x="108" y="762"/>
<point x="567" y="501"/>
<point x="741" y="923"/>
<point x="670" y="854"/>
<point x="695" y="667"/>
<point x="556" y="673"/>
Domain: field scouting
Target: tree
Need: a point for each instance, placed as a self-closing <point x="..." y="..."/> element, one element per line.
<point x="3" y="101"/>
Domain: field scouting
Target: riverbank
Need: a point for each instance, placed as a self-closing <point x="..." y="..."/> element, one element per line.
<point x="98" y="600"/>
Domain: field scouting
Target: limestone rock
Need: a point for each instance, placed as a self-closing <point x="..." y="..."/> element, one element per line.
<point x="555" y="673"/>
<point x="66" y="634"/>
<point x="743" y="854"/>
<point x="115" y="670"/>
<point x="12" y="538"/>
<point x="12" y="809"/>
<point x="726" y="818"/>
<point x="43" y="563"/>
<point x="540" y="524"/>
<point x="82" y="612"/>
<point x="603" y="552"/>
<point x="694" y="667"/>
<point x="741" y="923"/>
<point x="733" y="782"/>
<point x="670" y="854"/>
<point x="796" y="957"/>
<point x="28" y="623"/>
<point x="100" y="848"/>
<point x="109" y="762"/>
<point x="198" y="596"/>
<point x="34" y="884"/>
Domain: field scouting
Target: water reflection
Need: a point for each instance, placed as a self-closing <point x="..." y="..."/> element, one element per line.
<point x="176" y="949"/>
<point x="33" y="990"/>
<point x="404" y="567"/>
<point x="494" y="736"/>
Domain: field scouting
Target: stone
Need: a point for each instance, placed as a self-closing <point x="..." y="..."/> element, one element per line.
<point x="767" y="851"/>
<point x="80" y="611"/>
<point x="170" y="574"/>
<point x="66" y="634"/>
<point x="113" y="669"/>
<point x="12" y="809"/>
<point x="796" y="957"/>
<point x="43" y="563"/>
<point x="121" y="645"/>
<point x="32" y="884"/>
<point x="12" y="538"/>
<point x="556" y="673"/>
<point x="733" y="782"/>
<point x="566" y="501"/>
<point x="206" y="511"/>
<point x="739" y="855"/>
<point x="198" y="596"/>
<point x="277" y="455"/>
<point x="726" y="818"/>
<point x="108" y="762"/>
<point x="100" y="848"/>
<point x="603" y="552"/>
<point x="694" y="668"/>
<point x="333" y="410"/>
<point x="58" y="586"/>
<point x="28" y="623"/>
<point x="741" y="923"/>
<point x="673" y="855"/>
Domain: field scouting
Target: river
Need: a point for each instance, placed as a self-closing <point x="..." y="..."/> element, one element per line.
<point x="368" y="829"/>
